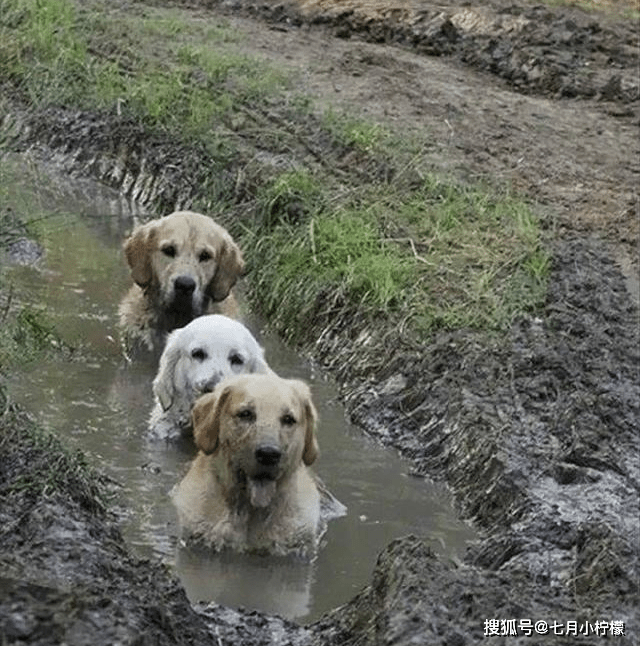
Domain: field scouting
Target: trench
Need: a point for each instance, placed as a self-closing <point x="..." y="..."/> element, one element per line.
<point x="96" y="403"/>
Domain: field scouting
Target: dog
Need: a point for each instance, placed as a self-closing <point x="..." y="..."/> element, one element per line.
<point x="195" y="358"/>
<point x="184" y="265"/>
<point x="250" y="488"/>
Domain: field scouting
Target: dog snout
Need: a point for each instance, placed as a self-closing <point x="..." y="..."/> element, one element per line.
<point x="208" y="385"/>
<point x="268" y="455"/>
<point x="184" y="285"/>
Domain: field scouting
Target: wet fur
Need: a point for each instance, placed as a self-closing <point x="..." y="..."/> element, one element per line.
<point x="195" y="358"/>
<point x="183" y="245"/>
<point x="215" y="500"/>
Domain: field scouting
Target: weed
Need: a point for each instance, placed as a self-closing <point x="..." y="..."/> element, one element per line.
<point x="453" y="256"/>
<point x="288" y="198"/>
<point x="26" y="335"/>
<point x="353" y="132"/>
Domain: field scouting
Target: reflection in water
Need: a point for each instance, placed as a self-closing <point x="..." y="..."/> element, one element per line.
<point x="277" y="585"/>
<point x="102" y="406"/>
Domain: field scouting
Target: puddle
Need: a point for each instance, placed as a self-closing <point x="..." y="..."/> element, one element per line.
<point x="101" y="406"/>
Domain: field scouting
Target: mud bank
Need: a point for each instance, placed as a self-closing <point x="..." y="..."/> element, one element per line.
<point x="560" y="51"/>
<point x="537" y="433"/>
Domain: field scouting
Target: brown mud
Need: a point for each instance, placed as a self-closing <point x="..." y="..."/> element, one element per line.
<point x="537" y="432"/>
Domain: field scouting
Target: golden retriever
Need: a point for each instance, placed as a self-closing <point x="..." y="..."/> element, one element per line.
<point x="182" y="264"/>
<point x="250" y="489"/>
<point x="195" y="358"/>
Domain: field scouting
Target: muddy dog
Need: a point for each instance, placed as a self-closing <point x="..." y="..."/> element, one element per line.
<point x="195" y="358"/>
<point x="250" y="488"/>
<point x="183" y="265"/>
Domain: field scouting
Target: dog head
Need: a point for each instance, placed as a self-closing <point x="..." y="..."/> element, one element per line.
<point x="182" y="261"/>
<point x="199" y="355"/>
<point x="262" y="428"/>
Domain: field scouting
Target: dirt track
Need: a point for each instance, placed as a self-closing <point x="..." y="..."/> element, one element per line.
<point x="537" y="434"/>
<point x="524" y="95"/>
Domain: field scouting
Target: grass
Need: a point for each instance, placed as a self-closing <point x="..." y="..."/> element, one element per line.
<point x="358" y="225"/>
<point x="354" y="132"/>
<point x="447" y="256"/>
<point x="25" y="336"/>
<point x="26" y="330"/>
<point x="61" y="55"/>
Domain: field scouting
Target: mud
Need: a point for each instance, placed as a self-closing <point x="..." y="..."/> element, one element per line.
<point x="536" y="432"/>
<point x="534" y="48"/>
<point x="538" y="436"/>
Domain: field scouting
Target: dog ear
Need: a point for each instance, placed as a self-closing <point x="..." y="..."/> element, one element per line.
<point x="164" y="382"/>
<point x="230" y="268"/>
<point x="137" y="251"/>
<point x="259" y="364"/>
<point x="311" y="449"/>
<point x="206" y="419"/>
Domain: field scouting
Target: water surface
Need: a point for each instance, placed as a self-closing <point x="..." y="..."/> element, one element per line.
<point x="97" y="403"/>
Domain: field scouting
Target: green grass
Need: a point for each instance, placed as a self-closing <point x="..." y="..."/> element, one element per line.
<point x="446" y="256"/>
<point x="290" y="196"/>
<point x="355" y="132"/>
<point x="58" y="54"/>
<point x="26" y="333"/>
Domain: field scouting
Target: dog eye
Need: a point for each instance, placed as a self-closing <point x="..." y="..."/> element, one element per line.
<point x="246" y="414"/>
<point x="169" y="250"/>
<point x="199" y="354"/>
<point x="204" y="256"/>
<point x="236" y="360"/>
<point x="288" y="419"/>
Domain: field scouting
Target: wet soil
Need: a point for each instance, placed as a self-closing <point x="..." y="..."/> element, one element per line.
<point x="536" y="432"/>
<point x="545" y="98"/>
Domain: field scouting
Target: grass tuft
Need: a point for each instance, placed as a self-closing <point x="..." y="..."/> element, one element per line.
<point x="450" y="255"/>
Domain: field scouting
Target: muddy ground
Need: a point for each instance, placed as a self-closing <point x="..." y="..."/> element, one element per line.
<point x="536" y="433"/>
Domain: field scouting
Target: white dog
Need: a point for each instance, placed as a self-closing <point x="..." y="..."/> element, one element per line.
<point x="196" y="357"/>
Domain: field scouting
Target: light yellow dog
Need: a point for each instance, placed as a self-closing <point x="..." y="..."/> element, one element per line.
<point x="184" y="265"/>
<point x="250" y="488"/>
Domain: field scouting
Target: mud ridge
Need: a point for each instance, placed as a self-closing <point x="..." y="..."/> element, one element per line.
<point x="117" y="152"/>
<point x="536" y="49"/>
<point x="520" y="426"/>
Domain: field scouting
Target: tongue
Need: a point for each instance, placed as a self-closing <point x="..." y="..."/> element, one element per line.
<point x="261" y="492"/>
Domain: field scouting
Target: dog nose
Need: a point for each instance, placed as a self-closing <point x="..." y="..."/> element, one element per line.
<point x="184" y="284"/>
<point x="268" y="455"/>
<point x="209" y="384"/>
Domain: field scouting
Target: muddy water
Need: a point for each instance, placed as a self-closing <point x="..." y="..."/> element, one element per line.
<point x="100" y="405"/>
